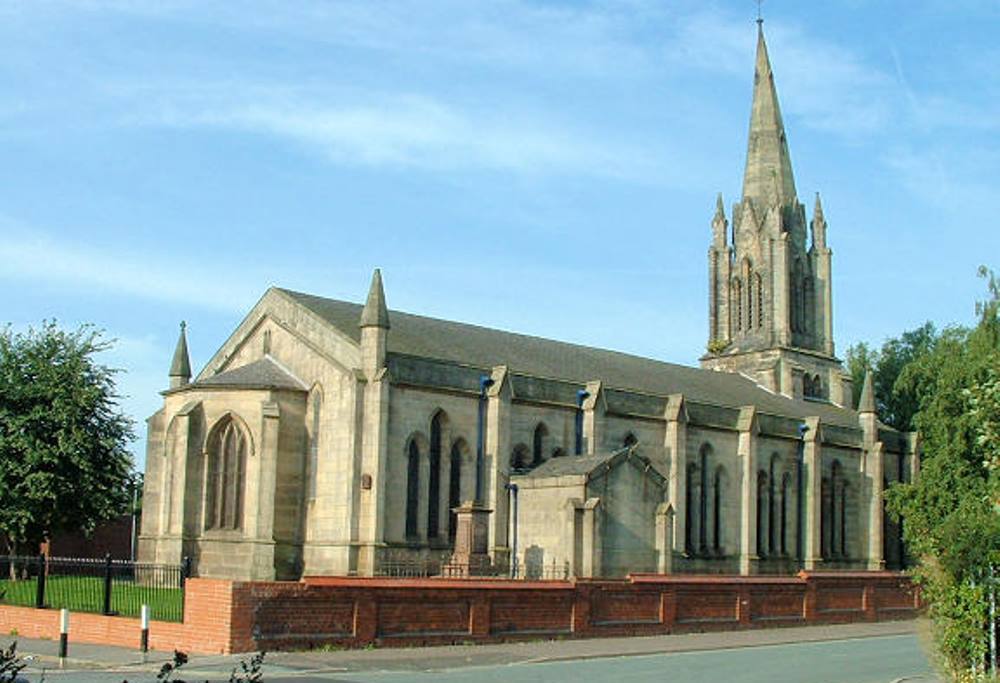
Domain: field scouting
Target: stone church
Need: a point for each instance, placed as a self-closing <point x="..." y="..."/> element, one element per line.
<point x="330" y="438"/>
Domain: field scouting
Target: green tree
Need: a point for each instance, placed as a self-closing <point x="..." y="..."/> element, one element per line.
<point x="951" y="521"/>
<point x="63" y="459"/>
<point x="896" y="404"/>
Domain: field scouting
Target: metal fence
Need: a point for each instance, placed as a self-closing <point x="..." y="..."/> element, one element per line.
<point x="111" y="587"/>
<point x="404" y="565"/>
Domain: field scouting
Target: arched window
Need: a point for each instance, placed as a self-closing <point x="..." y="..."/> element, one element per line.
<point x="786" y="491"/>
<point x="761" y="514"/>
<point x="718" y="486"/>
<point x="227" y="455"/>
<point x="738" y="300"/>
<point x="689" y="484"/>
<point x="759" y="290"/>
<point x="836" y="525"/>
<point x="630" y="440"/>
<point x="316" y="399"/>
<point x="454" y="486"/>
<point x="843" y="520"/>
<point x="519" y="459"/>
<point x="412" y="488"/>
<point x="772" y="505"/>
<point x="434" y="477"/>
<point x="538" y="444"/>
<point x="808" y="304"/>
<point x="824" y="518"/>
<point x="705" y="452"/>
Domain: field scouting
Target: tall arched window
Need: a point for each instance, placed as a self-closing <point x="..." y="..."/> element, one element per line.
<point x="454" y="486"/>
<point x="808" y="304"/>
<point x="761" y="514"/>
<point x="718" y="484"/>
<point x="538" y="444"/>
<point x="824" y="518"/>
<point x="706" y="451"/>
<point x="759" y="290"/>
<point x="843" y="520"/>
<point x="738" y="300"/>
<point x="412" y="488"/>
<point x="786" y="491"/>
<point x="836" y="527"/>
<point x="689" y="511"/>
<point x="772" y="505"/>
<point x="434" y="477"/>
<point x="227" y="455"/>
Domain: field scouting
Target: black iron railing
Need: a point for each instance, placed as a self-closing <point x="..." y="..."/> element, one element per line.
<point x="107" y="586"/>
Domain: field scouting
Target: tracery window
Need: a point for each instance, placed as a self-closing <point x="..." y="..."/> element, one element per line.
<point x="227" y="454"/>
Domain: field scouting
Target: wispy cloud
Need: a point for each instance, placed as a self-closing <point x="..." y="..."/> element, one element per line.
<point x="31" y="257"/>
<point x="422" y="132"/>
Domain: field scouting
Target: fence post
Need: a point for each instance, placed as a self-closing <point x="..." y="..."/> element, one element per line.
<point x="107" y="584"/>
<point x="40" y="583"/>
<point x="185" y="575"/>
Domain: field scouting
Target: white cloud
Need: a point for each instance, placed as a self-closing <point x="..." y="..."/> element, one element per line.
<point x="421" y="132"/>
<point x="28" y="257"/>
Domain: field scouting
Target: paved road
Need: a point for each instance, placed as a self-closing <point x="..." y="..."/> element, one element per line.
<point x="859" y="653"/>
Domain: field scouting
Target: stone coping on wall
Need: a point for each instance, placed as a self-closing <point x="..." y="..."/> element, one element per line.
<point x="223" y="616"/>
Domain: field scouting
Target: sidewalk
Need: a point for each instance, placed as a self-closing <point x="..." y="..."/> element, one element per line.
<point x="88" y="662"/>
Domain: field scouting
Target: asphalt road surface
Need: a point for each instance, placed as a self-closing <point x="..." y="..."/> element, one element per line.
<point x="850" y="654"/>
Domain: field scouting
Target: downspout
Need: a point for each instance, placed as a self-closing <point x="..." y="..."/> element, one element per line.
<point x="581" y="396"/>
<point x="485" y="382"/>
<point x="512" y="489"/>
<point x="799" y="499"/>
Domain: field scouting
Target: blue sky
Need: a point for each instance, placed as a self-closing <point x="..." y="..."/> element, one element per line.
<point x="545" y="166"/>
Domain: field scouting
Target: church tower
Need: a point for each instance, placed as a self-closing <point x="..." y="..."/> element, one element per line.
<point x="770" y="304"/>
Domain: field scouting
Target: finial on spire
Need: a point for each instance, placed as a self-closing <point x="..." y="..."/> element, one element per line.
<point x="375" y="313"/>
<point x="760" y="14"/>
<point x="180" y="367"/>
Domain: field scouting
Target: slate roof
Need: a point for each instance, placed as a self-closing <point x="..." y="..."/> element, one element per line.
<point x="484" y="348"/>
<point x="261" y="374"/>
<point x="583" y="465"/>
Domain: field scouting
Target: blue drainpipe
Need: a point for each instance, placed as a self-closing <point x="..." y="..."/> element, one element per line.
<point x="485" y="382"/>
<point x="581" y="396"/>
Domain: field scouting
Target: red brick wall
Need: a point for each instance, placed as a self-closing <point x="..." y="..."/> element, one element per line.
<point x="224" y="616"/>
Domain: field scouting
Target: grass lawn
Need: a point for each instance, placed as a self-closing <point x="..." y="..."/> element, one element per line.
<point x="86" y="594"/>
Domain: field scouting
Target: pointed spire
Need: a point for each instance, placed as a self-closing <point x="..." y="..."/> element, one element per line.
<point x="720" y="208"/>
<point x="768" y="177"/>
<point x="818" y="210"/>
<point x="867" y="402"/>
<point x="180" y="367"/>
<point x="375" y="313"/>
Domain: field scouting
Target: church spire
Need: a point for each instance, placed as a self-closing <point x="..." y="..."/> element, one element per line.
<point x="768" y="178"/>
<point x="375" y="313"/>
<point x="180" y="367"/>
